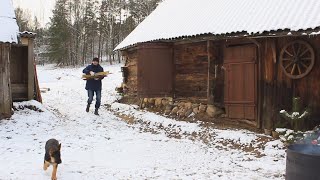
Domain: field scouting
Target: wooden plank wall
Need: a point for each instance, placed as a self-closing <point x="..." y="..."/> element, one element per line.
<point x="191" y="70"/>
<point x="5" y="85"/>
<point x="132" y="79"/>
<point x="278" y="89"/>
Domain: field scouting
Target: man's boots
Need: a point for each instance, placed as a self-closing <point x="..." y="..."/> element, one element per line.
<point x="88" y="107"/>
<point x="96" y="112"/>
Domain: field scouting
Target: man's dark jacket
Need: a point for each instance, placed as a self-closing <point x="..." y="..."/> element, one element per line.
<point x="93" y="84"/>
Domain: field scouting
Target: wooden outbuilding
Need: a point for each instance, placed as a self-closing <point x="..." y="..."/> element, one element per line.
<point x="17" y="69"/>
<point x="22" y="66"/>
<point x="249" y="59"/>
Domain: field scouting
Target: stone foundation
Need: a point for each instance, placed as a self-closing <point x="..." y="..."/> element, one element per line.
<point x="180" y="109"/>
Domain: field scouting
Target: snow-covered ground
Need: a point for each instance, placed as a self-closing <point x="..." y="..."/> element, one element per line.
<point x="124" y="142"/>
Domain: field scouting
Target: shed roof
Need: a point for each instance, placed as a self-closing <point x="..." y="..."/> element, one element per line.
<point x="183" y="18"/>
<point x="9" y="27"/>
<point x="27" y="34"/>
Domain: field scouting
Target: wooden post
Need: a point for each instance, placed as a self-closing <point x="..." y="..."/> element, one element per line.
<point x="31" y="69"/>
<point x="37" y="88"/>
<point x="259" y="75"/>
<point x="209" y="83"/>
<point x="5" y="84"/>
<point x="173" y="95"/>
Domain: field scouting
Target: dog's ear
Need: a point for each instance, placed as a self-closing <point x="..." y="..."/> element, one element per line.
<point x="60" y="146"/>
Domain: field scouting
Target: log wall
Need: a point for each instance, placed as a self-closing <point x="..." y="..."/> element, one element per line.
<point x="192" y="75"/>
<point x="132" y="78"/>
<point x="191" y="70"/>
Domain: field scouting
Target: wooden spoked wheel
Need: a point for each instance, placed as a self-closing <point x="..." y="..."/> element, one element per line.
<point x="297" y="59"/>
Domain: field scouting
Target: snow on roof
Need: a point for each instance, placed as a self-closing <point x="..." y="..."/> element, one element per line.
<point x="9" y="27"/>
<point x="27" y="34"/>
<point x="181" y="18"/>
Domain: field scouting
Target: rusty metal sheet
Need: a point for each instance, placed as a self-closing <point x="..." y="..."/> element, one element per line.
<point x="155" y="70"/>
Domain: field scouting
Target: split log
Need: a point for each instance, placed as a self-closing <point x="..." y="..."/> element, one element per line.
<point x="96" y="75"/>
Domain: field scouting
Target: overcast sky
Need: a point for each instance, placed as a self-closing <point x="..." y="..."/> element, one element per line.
<point x="40" y="8"/>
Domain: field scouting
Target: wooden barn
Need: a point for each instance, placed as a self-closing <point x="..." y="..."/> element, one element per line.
<point x="245" y="57"/>
<point x="17" y="73"/>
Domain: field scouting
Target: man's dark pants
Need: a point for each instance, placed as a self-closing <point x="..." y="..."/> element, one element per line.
<point x="98" y="97"/>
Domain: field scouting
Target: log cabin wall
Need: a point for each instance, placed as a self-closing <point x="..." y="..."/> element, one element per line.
<point x="275" y="91"/>
<point x="278" y="89"/>
<point x="191" y="70"/>
<point x="131" y="56"/>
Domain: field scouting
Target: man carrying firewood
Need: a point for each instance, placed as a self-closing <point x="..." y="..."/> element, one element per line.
<point x="94" y="84"/>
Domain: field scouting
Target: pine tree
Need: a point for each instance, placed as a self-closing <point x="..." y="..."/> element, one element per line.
<point x="90" y="30"/>
<point x="77" y="17"/>
<point x="59" y="34"/>
<point x="103" y="22"/>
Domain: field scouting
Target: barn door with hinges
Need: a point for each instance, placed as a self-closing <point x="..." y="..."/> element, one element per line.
<point x="240" y="96"/>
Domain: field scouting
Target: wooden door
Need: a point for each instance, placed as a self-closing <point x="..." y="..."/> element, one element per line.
<point x="240" y="82"/>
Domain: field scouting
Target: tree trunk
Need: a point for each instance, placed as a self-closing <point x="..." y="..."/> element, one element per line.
<point x="99" y="41"/>
<point x="84" y="52"/>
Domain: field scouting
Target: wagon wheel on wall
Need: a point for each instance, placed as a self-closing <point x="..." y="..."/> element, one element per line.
<point x="297" y="59"/>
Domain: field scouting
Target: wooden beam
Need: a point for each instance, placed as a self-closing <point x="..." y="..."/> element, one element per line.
<point x="209" y="83"/>
<point x="174" y="71"/>
<point x="5" y="84"/>
<point x="31" y="69"/>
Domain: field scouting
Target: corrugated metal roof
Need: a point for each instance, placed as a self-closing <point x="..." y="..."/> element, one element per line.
<point x="180" y="18"/>
<point x="27" y="34"/>
<point x="8" y="24"/>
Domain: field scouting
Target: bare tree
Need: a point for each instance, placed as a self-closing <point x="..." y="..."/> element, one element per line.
<point x="89" y="28"/>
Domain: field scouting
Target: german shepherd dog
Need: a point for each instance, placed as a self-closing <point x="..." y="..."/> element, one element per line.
<point x="52" y="156"/>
